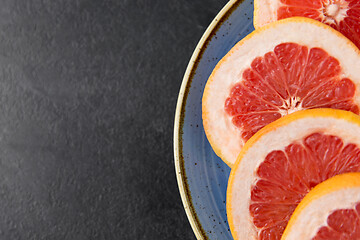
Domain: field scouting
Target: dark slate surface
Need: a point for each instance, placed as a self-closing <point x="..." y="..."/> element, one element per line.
<point x="88" y="92"/>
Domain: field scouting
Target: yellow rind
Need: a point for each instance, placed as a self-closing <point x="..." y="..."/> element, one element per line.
<point x="217" y="149"/>
<point x="311" y="113"/>
<point x="343" y="181"/>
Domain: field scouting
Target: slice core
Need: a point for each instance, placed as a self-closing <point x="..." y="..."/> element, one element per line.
<point x="334" y="12"/>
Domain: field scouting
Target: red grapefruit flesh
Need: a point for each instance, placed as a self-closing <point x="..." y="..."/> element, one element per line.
<point x="286" y="176"/>
<point x="342" y="15"/>
<point x="275" y="71"/>
<point x="290" y="78"/>
<point x="330" y="211"/>
<point x="341" y="224"/>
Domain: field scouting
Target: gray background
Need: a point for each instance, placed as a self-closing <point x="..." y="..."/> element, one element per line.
<point x="88" y="91"/>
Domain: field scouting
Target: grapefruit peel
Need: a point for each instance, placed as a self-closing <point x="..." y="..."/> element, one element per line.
<point x="223" y="135"/>
<point x="277" y="135"/>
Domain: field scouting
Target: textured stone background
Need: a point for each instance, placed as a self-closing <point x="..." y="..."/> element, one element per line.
<point x="88" y="91"/>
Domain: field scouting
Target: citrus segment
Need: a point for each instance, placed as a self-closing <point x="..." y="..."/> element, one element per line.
<point x="341" y="224"/>
<point x="285" y="177"/>
<point x="342" y="15"/>
<point x="254" y="85"/>
<point x="282" y="162"/>
<point x="329" y="211"/>
<point x="290" y="78"/>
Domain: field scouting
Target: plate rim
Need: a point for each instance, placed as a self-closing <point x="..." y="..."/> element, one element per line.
<point x="180" y="116"/>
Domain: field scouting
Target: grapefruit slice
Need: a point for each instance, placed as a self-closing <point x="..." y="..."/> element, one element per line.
<point x="329" y="211"/>
<point x="275" y="71"/>
<point x="342" y="15"/>
<point x="282" y="162"/>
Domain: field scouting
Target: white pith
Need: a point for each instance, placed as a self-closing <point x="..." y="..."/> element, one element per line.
<point x="266" y="12"/>
<point x="315" y="215"/>
<point x="222" y="133"/>
<point x="244" y="175"/>
<point x="332" y="11"/>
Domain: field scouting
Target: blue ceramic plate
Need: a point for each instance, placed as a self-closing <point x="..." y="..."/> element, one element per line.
<point x="202" y="176"/>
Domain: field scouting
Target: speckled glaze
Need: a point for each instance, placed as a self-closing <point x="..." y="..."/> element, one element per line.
<point x="202" y="176"/>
